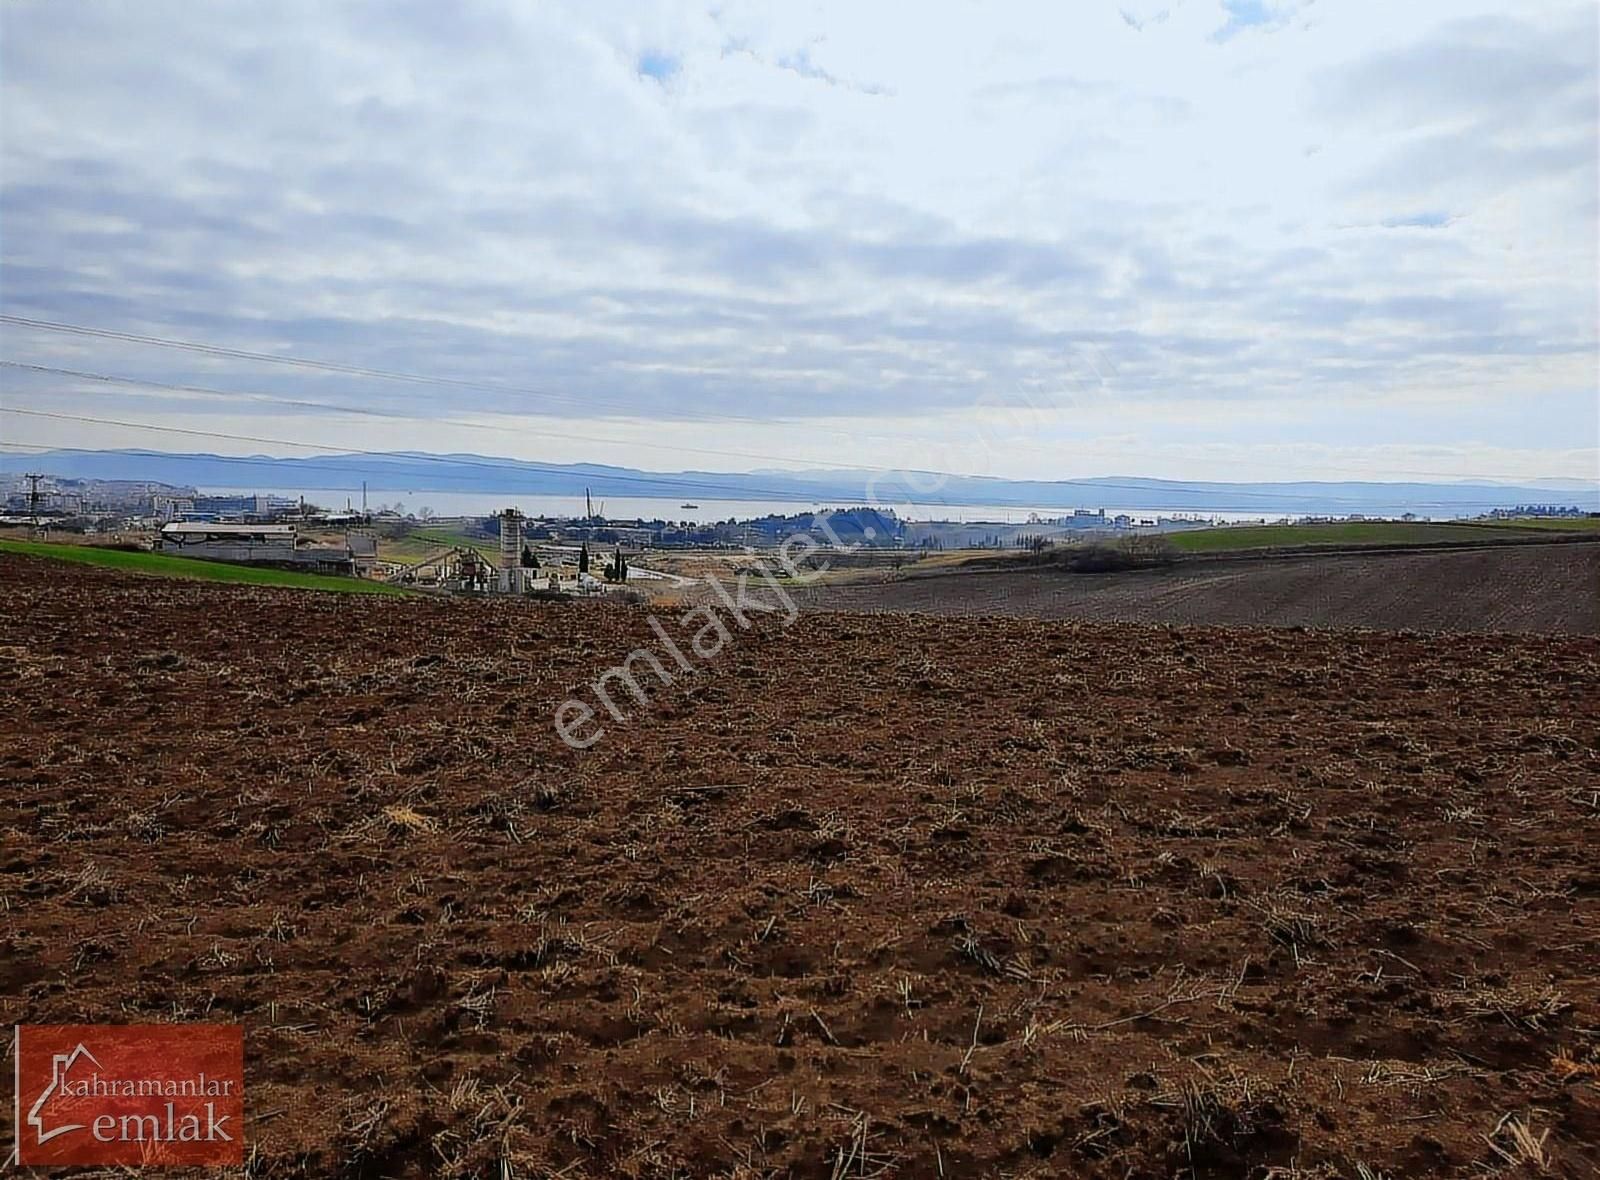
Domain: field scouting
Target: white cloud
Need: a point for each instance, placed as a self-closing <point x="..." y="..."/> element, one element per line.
<point x="774" y="221"/>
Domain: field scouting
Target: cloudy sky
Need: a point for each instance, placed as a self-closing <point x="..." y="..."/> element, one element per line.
<point x="1235" y="239"/>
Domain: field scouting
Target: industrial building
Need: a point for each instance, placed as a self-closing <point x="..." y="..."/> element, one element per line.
<point x="247" y="506"/>
<point x="269" y="544"/>
<point x="512" y="575"/>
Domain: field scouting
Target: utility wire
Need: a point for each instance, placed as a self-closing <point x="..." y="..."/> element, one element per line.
<point x="504" y="467"/>
<point x="474" y="482"/>
<point x="303" y="403"/>
<point x="514" y="467"/>
<point x="493" y="387"/>
<point x="583" y="402"/>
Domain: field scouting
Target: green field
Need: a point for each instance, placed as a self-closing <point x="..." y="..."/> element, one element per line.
<point x="163" y="566"/>
<point x="424" y="543"/>
<point x="1363" y="532"/>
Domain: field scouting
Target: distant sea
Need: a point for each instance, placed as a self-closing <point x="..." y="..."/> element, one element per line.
<point x="707" y="511"/>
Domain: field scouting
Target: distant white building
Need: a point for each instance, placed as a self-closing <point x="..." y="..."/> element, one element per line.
<point x="1083" y="518"/>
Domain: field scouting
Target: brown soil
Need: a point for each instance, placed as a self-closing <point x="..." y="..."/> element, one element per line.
<point x="1544" y="587"/>
<point x="900" y="897"/>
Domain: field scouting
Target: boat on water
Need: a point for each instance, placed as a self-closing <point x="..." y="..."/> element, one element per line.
<point x="688" y="505"/>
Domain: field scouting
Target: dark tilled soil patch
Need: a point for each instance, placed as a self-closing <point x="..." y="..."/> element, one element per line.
<point x="1523" y="588"/>
<point x="899" y="896"/>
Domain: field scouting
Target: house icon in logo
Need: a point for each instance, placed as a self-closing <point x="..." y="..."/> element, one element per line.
<point x="148" y="1095"/>
<point x="60" y="1065"/>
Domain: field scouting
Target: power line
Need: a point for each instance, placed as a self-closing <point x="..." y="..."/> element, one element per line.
<point x="265" y="357"/>
<point x="33" y="478"/>
<point x="583" y="401"/>
<point x="514" y="467"/>
<point x="579" y="401"/>
<point x="300" y="465"/>
<point x="512" y="473"/>
<point x="511" y="467"/>
<point x="304" y="403"/>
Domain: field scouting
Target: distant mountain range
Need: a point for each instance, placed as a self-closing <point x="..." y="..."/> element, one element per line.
<point x="413" y="472"/>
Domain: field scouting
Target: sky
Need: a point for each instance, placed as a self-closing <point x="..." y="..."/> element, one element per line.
<point x="1192" y="239"/>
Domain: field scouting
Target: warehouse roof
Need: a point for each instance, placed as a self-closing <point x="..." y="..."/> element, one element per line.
<point x="200" y="528"/>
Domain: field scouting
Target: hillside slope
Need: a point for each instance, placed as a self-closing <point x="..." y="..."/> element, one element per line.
<point x="1527" y="588"/>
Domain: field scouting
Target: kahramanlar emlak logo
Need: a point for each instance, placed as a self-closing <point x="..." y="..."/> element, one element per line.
<point x="129" y="1094"/>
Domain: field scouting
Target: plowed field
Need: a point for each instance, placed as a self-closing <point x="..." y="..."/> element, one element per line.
<point x="869" y="896"/>
<point x="1502" y="588"/>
